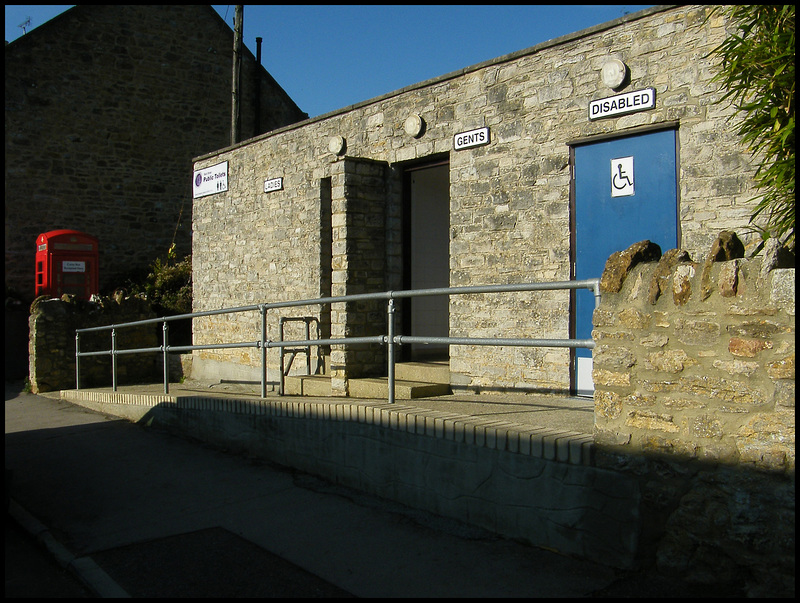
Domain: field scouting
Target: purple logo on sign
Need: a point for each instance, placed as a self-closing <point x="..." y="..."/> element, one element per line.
<point x="198" y="181"/>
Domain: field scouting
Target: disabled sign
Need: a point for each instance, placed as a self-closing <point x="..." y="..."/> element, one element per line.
<point x="622" y="177"/>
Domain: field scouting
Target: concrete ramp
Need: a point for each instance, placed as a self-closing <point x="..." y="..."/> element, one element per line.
<point x="513" y="468"/>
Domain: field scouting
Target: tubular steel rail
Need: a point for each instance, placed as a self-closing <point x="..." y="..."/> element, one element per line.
<point x="391" y="339"/>
<point x="305" y="349"/>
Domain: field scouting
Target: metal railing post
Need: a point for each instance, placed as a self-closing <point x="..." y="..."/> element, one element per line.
<point x="114" y="359"/>
<point x="597" y="295"/>
<point x="77" y="360"/>
<point x="165" y="347"/>
<point x="281" y="320"/>
<point x="307" y="322"/>
<point x="390" y="350"/>
<point x="263" y="309"/>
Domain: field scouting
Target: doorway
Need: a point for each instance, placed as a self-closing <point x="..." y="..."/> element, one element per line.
<point x="426" y="245"/>
<point x="625" y="190"/>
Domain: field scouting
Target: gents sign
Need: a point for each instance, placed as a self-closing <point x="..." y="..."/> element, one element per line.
<point x="210" y="180"/>
<point x="630" y="102"/>
<point x="473" y="138"/>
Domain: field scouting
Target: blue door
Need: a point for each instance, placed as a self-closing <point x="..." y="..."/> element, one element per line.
<point x="625" y="192"/>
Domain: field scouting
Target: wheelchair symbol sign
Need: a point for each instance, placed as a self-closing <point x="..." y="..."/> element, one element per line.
<point x="622" y="177"/>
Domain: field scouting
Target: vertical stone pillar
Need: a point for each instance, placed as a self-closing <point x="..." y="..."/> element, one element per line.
<point x="358" y="265"/>
<point x="339" y="271"/>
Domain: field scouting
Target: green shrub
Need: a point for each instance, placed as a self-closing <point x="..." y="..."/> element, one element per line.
<point x="756" y="71"/>
<point x="168" y="285"/>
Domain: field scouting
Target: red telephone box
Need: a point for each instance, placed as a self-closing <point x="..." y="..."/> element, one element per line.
<point x="67" y="262"/>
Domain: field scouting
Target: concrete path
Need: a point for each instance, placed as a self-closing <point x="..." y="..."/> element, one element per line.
<point x="135" y="512"/>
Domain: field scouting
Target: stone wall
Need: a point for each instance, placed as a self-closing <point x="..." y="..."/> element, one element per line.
<point x="695" y="394"/>
<point x="510" y="200"/>
<point x="105" y="108"/>
<point x="52" y="343"/>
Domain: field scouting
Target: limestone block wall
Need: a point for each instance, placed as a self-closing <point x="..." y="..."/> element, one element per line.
<point x="106" y="105"/>
<point x="52" y="343"/>
<point x="697" y="360"/>
<point x="250" y="247"/>
<point x="694" y="372"/>
<point x="510" y="214"/>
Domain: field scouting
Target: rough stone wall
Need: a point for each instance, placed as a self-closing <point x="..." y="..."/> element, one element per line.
<point x="251" y="247"/>
<point x="52" y="343"/>
<point x="509" y="200"/>
<point x="105" y="108"/>
<point x="695" y="393"/>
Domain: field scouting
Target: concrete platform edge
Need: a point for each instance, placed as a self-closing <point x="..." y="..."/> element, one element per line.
<point x="566" y="446"/>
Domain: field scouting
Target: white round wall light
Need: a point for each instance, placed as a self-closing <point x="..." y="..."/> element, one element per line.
<point x="336" y="145"/>
<point x="614" y="72"/>
<point x="414" y="125"/>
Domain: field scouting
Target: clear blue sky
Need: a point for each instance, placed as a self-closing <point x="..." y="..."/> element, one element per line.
<point x="327" y="57"/>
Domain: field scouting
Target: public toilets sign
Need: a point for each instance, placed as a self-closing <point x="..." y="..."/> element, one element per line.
<point x="210" y="180"/>
<point x="630" y="102"/>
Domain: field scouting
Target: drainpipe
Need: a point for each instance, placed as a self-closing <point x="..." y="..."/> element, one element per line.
<point x="237" y="67"/>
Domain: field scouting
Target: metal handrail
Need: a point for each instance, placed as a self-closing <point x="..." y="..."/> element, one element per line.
<point x="391" y="339"/>
<point x="305" y="346"/>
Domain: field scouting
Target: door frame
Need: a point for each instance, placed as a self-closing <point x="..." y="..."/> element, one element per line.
<point x="636" y="131"/>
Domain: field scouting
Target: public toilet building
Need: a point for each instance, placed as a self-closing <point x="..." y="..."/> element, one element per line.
<point x="532" y="167"/>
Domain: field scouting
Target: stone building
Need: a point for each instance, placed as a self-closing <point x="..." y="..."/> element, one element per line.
<point x="105" y="108"/>
<point x="535" y="166"/>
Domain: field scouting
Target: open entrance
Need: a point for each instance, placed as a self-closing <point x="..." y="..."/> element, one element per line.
<point x="426" y="246"/>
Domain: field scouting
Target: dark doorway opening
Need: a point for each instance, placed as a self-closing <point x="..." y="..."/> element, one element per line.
<point x="426" y="256"/>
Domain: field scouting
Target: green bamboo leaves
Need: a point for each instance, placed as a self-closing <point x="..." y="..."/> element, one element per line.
<point x="756" y="69"/>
